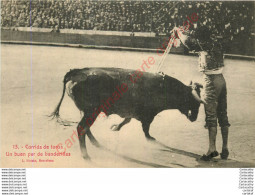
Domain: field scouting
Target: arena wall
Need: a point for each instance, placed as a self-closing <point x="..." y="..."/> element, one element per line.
<point x="242" y="46"/>
<point x="86" y="39"/>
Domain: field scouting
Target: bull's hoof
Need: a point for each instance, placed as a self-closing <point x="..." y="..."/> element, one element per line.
<point x="149" y="138"/>
<point x="86" y="157"/>
<point x="115" y="128"/>
<point x="95" y="143"/>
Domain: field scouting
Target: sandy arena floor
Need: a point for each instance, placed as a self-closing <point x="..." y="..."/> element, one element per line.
<point x="29" y="95"/>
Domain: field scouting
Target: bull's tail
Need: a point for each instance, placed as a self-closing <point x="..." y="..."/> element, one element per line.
<point x="55" y="113"/>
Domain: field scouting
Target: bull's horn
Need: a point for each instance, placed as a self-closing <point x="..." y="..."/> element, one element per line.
<point x="195" y="95"/>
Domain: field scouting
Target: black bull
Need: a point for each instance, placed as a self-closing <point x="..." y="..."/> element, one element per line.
<point x="128" y="93"/>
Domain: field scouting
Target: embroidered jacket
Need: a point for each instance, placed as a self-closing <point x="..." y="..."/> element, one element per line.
<point x="211" y="59"/>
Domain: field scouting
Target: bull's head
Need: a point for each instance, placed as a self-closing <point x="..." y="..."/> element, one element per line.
<point x="194" y="102"/>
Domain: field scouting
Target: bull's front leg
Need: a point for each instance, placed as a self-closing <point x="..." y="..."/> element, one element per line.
<point x="146" y="127"/>
<point x="119" y="126"/>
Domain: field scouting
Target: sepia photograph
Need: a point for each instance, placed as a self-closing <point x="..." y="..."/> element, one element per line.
<point x="127" y="84"/>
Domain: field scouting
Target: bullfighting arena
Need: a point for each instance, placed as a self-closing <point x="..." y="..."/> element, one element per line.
<point x="31" y="86"/>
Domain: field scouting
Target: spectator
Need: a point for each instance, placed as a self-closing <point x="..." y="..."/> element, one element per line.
<point x="224" y="18"/>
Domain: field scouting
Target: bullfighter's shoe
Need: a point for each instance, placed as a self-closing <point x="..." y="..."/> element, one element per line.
<point x="210" y="156"/>
<point x="224" y="154"/>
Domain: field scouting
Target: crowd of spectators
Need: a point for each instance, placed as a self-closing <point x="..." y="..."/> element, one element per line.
<point x="133" y="16"/>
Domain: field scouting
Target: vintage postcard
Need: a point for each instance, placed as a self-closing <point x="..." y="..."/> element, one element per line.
<point x="120" y="84"/>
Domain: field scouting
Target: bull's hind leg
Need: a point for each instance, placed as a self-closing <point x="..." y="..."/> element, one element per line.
<point x="92" y="138"/>
<point x="82" y="130"/>
<point x="119" y="126"/>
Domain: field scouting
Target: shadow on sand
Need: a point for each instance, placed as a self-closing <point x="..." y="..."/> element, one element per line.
<point x="149" y="164"/>
<point x="214" y="163"/>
